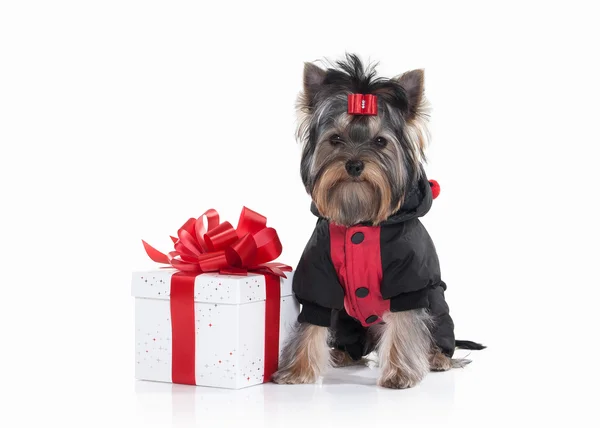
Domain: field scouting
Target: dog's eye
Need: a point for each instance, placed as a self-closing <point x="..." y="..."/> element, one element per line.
<point x="380" y="142"/>
<point x="335" y="140"/>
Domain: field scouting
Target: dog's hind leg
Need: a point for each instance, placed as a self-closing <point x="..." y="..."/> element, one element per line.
<point x="439" y="362"/>
<point x="305" y="356"/>
<point x="404" y="349"/>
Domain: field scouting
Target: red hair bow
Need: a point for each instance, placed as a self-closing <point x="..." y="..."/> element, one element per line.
<point x="362" y="104"/>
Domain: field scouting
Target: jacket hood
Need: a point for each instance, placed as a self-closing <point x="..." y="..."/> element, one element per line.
<point x="417" y="203"/>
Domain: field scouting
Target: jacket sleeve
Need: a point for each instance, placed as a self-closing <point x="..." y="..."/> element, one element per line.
<point x="412" y="280"/>
<point x="442" y="329"/>
<point x="410" y="266"/>
<point x="315" y="282"/>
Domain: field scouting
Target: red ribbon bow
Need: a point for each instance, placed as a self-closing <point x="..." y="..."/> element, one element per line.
<point x="362" y="104"/>
<point x="219" y="247"/>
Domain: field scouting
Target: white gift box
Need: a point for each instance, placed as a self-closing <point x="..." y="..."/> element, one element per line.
<point x="229" y="326"/>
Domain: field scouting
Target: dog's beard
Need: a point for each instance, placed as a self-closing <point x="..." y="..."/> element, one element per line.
<point x="347" y="200"/>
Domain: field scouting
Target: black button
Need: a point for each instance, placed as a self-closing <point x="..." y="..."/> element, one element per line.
<point x="371" y="319"/>
<point x="357" y="238"/>
<point x="362" y="292"/>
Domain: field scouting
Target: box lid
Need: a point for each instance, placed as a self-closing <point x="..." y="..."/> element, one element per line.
<point x="208" y="287"/>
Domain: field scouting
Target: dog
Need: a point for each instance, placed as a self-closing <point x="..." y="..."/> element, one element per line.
<point x="369" y="277"/>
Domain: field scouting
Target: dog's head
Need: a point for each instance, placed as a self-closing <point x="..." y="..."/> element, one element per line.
<point x="357" y="168"/>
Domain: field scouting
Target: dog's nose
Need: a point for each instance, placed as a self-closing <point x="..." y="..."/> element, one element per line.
<point x="355" y="167"/>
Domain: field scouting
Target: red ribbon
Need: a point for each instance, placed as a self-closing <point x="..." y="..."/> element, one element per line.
<point x="362" y="104"/>
<point x="218" y="247"/>
<point x="183" y="343"/>
<point x="272" y="311"/>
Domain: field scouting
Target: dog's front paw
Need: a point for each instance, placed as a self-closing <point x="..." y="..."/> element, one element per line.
<point x="398" y="380"/>
<point x="295" y="374"/>
<point x="304" y="356"/>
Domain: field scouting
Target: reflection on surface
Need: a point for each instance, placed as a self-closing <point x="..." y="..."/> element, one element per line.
<point x="340" y="394"/>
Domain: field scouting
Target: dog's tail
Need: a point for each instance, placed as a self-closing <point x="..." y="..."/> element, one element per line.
<point x="467" y="344"/>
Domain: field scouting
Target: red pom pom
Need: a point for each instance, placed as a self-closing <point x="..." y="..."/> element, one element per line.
<point x="435" y="188"/>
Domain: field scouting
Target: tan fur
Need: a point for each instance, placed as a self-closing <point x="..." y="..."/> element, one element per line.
<point x="305" y="357"/>
<point x="372" y="186"/>
<point x="342" y="122"/>
<point x="439" y="362"/>
<point x="328" y="179"/>
<point x="374" y="175"/>
<point x="404" y="349"/>
<point x="374" y="124"/>
<point x="303" y="121"/>
<point x="417" y="130"/>
<point x="341" y="358"/>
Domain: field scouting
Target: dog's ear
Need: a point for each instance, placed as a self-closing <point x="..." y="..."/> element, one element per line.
<point x="313" y="80"/>
<point x="413" y="84"/>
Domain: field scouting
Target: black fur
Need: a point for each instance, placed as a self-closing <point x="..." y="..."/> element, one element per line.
<point x="467" y="344"/>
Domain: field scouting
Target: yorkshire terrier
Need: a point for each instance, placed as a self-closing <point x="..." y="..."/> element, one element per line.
<point x="369" y="277"/>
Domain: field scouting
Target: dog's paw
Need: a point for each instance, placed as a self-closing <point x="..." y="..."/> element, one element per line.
<point x="295" y="375"/>
<point x="398" y="380"/>
<point x="341" y="358"/>
<point x="439" y="362"/>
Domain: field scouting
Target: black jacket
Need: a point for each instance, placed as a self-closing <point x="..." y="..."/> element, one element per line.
<point x="347" y="277"/>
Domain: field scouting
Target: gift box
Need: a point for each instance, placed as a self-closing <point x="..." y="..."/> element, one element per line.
<point x="229" y="328"/>
<point x="220" y="313"/>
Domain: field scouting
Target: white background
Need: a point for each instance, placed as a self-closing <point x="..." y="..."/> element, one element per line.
<point x="121" y="119"/>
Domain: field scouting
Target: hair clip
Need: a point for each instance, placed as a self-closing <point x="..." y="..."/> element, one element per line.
<point x="362" y="104"/>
